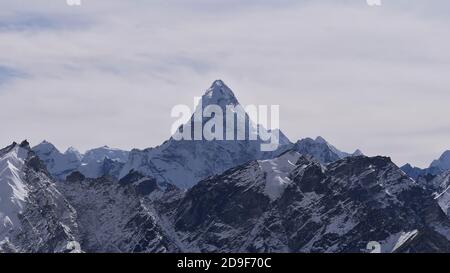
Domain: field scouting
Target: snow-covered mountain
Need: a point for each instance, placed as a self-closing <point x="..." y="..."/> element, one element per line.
<point x="58" y="164"/>
<point x="295" y="204"/>
<point x="34" y="215"/>
<point x="103" y="161"/>
<point x="219" y="196"/>
<point x="437" y="167"/>
<point x="94" y="163"/>
<point x="291" y="203"/>
<point x="184" y="162"/>
<point x="321" y="150"/>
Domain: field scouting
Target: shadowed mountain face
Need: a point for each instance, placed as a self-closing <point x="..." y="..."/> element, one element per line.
<point x="339" y="208"/>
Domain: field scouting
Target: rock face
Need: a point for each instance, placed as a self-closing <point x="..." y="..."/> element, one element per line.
<point x="440" y="186"/>
<point x="34" y="215"/>
<point x="116" y="218"/>
<point x="339" y="208"/>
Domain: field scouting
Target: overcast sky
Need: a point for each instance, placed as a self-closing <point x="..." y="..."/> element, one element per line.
<point x="110" y="71"/>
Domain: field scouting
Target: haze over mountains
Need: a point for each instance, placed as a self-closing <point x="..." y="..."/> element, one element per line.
<point x="219" y="196"/>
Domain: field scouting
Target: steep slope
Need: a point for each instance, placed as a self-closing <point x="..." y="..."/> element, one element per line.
<point x="34" y="216"/>
<point x="13" y="190"/>
<point x="340" y="208"/>
<point x="184" y="162"/>
<point x="115" y="217"/>
<point x="443" y="163"/>
<point x="441" y="187"/>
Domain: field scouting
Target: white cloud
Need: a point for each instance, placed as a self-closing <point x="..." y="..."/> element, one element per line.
<point x="364" y="78"/>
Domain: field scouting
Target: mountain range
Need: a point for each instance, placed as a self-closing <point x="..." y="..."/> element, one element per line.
<point x="219" y="196"/>
<point x="436" y="167"/>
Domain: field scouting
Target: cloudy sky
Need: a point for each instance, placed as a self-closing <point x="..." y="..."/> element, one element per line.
<point x="110" y="71"/>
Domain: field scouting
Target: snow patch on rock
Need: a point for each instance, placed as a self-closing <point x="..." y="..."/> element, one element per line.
<point x="277" y="173"/>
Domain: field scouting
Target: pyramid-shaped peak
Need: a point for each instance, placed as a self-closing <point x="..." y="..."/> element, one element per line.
<point x="219" y="83"/>
<point x="219" y="93"/>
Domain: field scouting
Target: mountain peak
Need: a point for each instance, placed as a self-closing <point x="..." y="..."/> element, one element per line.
<point x="25" y="144"/>
<point x="320" y="139"/>
<point x="220" y="94"/>
<point x="45" y="146"/>
<point x="443" y="163"/>
<point x="72" y="150"/>
<point x="218" y="82"/>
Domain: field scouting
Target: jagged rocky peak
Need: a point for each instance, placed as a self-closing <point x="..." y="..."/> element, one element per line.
<point x="8" y="148"/>
<point x="219" y="94"/>
<point x="25" y="144"/>
<point x="35" y="216"/>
